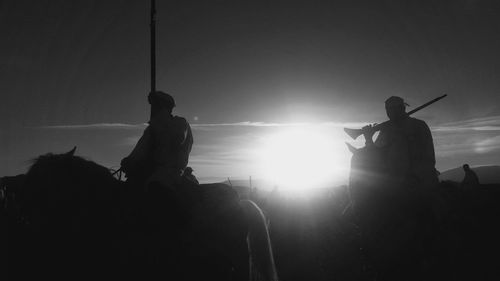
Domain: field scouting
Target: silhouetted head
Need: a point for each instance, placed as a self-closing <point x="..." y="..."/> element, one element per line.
<point x="466" y="167"/>
<point x="161" y="101"/>
<point x="395" y="107"/>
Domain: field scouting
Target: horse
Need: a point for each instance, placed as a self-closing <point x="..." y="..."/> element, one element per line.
<point x="80" y="222"/>
<point x="394" y="220"/>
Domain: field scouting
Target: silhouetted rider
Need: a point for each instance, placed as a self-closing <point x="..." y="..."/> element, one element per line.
<point x="471" y="180"/>
<point x="406" y="145"/>
<point x="161" y="155"/>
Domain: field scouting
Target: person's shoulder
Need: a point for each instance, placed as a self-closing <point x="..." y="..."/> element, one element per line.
<point x="180" y="120"/>
<point x="418" y="125"/>
<point x="417" y="122"/>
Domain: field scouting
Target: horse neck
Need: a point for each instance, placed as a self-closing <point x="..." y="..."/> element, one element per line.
<point x="68" y="169"/>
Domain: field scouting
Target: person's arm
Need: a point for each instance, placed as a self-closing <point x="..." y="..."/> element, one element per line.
<point x="184" y="141"/>
<point x="140" y="151"/>
<point x="428" y="156"/>
<point x="368" y="134"/>
<point x="180" y="133"/>
<point x="424" y="160"/>
<point x="188" y="140"/>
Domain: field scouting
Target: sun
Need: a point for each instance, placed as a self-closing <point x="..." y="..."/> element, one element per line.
<point x="300" y="158"/>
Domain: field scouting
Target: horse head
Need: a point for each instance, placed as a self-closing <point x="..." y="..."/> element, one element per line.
<point x="60" y="189"/>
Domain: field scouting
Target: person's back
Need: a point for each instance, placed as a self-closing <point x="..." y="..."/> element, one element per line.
<point x="406" y="146"/>
<point x="162" y="153"/>
<point x="408" y="151"/>
<point x="172" y="141"/>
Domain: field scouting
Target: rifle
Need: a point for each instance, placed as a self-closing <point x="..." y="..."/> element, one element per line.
<point x="355" y="133"/>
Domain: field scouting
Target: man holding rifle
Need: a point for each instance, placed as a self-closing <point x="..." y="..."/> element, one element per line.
<point x="393" y="186"/>
<point x="406" y="146"/>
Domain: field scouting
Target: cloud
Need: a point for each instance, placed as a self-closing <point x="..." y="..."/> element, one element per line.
<point x="459" y="128"/>
<point x="472" y="140"/>
<point x="471" y="136"/>
<point x="249" y="125"/>
<point x="202" y="126"/>
<point x="491" y="123"/>
<point x="239" y="124"/>
<point x="487" y="145"/>
<point x="266" y="124"/>
<point x="96" y="126"/>
<point x="229" y="149"/>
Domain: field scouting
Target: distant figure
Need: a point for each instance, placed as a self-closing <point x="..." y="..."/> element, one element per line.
<point x="471" y="180"/>
<point x="406" y="147"/>
<point x="162" y="153"/>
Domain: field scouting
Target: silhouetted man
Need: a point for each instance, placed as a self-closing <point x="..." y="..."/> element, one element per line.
<point x="162" y="153"/>
<point x="406" y="145"/>
<point x="408" y="172"/>
<point x="471" y="180"/>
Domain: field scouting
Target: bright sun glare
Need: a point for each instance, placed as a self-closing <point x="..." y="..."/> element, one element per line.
<point x="301" y="158"/>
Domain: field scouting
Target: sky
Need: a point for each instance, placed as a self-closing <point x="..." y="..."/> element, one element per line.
<point x="76" y="73"/>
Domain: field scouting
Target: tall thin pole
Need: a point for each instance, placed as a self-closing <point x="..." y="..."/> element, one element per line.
<point x="152" y="28"/>
<point x="153" y="45"/>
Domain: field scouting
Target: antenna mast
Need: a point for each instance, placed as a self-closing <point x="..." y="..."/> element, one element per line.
<point x="152" y="28"/>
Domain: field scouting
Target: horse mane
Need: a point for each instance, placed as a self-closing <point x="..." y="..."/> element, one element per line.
<point x="68" y="165"/>
<point x="64" y="181"/>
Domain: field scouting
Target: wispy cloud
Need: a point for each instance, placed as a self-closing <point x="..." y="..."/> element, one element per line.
<point x="248" y="124"/>
<point x="465" y="138"/>
<point x="491" y="123"/>
<point x="455" y="149"/>
<point x="487" y="145"/>
<point x="267" y="124"/>
<point x="223" y="149"/>
<point x="462" y="128"/>
<point x="205" y="125"/>
<point x="96" y="126"/>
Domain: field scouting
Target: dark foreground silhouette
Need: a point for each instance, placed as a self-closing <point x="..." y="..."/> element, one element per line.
<point x="114" y="231"/>
<point x="69" y="218"/>
<point x="436" y="232"/>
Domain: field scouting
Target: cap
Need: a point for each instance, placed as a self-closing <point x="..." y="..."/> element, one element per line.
<point x="395" y="101"/>
<point x="162" y="97"/>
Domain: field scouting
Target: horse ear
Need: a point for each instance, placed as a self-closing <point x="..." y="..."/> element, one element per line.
<point x="351" y="148"/>
<point x="71" y="152"/>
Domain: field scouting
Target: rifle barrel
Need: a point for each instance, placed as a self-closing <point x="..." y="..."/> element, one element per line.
<point x="427" y="104"/>
<point x="354" y="133"/>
